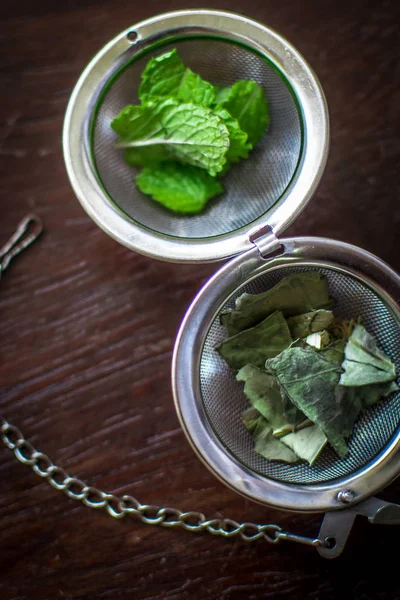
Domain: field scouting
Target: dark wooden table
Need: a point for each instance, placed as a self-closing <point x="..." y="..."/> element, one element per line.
<point x="87" y="328"/>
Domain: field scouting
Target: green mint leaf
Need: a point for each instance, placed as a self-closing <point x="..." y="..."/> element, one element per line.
<point x="295" y="294"/>
<point x="182" y="188"/>
<point x="255" y="345"/>
<point x="246" y="102"/>
<point x="185" y="132"/>
<point x="194" y="89"/>
<point x="162" y="76"/>
<point x="364" y="363"/>
<point x="239" y="146"/>
<point x="166" y="75"/>
<point x="222" y="94"/>
<point x="146" y="156"/>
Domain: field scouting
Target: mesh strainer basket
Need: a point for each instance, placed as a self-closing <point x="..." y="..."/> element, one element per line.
<point x="263" y="196"/>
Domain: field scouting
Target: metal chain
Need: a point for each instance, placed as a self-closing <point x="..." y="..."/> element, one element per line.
<point x="119" y="507"/>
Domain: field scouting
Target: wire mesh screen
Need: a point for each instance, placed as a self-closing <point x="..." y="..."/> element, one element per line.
<point x="251" y="186"/>
<point x="225" y="401"/>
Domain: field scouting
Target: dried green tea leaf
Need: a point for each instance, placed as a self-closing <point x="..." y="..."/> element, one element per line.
<point x="370" y="394"/>
<point x="334" y="352"/>
<point x="295" y="294"/>
<point x="255" y="345"/>
<point x="310" y="381"/>
<point x="318" y="340"/>
<point x="364" y="363"/>
<point x="306" y="443"/>
<point x="269" y="446"/>
<point x="250" y="418"/>
<point x="264" y="394"/>
<point x="303" y="325"/>
<point x="366" y="396"/>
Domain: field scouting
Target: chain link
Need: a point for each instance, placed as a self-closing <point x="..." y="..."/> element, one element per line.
<point x="118" y="507"/>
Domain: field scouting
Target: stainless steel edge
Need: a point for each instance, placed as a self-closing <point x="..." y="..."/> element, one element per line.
<point x="183" y="23"/>
<point x="186" y="381"/>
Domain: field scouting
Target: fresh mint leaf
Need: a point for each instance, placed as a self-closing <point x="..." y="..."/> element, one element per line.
<point x="162" y="76"/>
<point x="222" y="94"/>
<point x="194" y="89"/>
<point x="182" y="188"/>
<point x="246" y="102"/>
<point x="239" y="147"/>
<point x="185" y="132"/>
<point x="166" y="75"/>
<point x="255" y="345"/>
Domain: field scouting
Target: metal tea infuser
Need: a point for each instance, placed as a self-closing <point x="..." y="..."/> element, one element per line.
<point x="263" y="197"/>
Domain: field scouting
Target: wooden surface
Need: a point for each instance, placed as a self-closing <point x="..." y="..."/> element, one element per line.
<point x="87" y="328"/>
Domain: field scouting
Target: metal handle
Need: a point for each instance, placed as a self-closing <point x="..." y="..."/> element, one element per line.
<point x="20" y="240"/>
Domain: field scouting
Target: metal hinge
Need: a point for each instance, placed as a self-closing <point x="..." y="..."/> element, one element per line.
<point x="265" y="241"/>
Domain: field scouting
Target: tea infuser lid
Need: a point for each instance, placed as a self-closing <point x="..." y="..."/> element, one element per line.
<point x="270" y="188"/>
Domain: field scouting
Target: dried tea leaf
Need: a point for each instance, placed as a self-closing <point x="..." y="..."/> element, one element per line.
<point x="263" y="391"/>
<point x="295" y="294"/>
<point x="311" y="381"/>
<point x="266" y="444"/>
<point x="303" y="325"/>
<point x="306" y="443"/>
<point x="250" y="418"/>
<point x="255" y="345"/>
<point x="334" y="352"/>
<point x="366" y="396"/>
<point x="364" y="363"/>
<point x="318" y="340"/>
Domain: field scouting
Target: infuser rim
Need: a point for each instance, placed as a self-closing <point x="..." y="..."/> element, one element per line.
<point x="315" y="497"/>
<point x="230" y="26"/>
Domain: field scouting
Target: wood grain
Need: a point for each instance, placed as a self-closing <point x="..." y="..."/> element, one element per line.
<point x="87" y="328"/>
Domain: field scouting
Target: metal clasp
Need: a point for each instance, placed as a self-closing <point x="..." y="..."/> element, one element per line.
<point x="20" y="240"/>
<point x="265" y="240"/>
